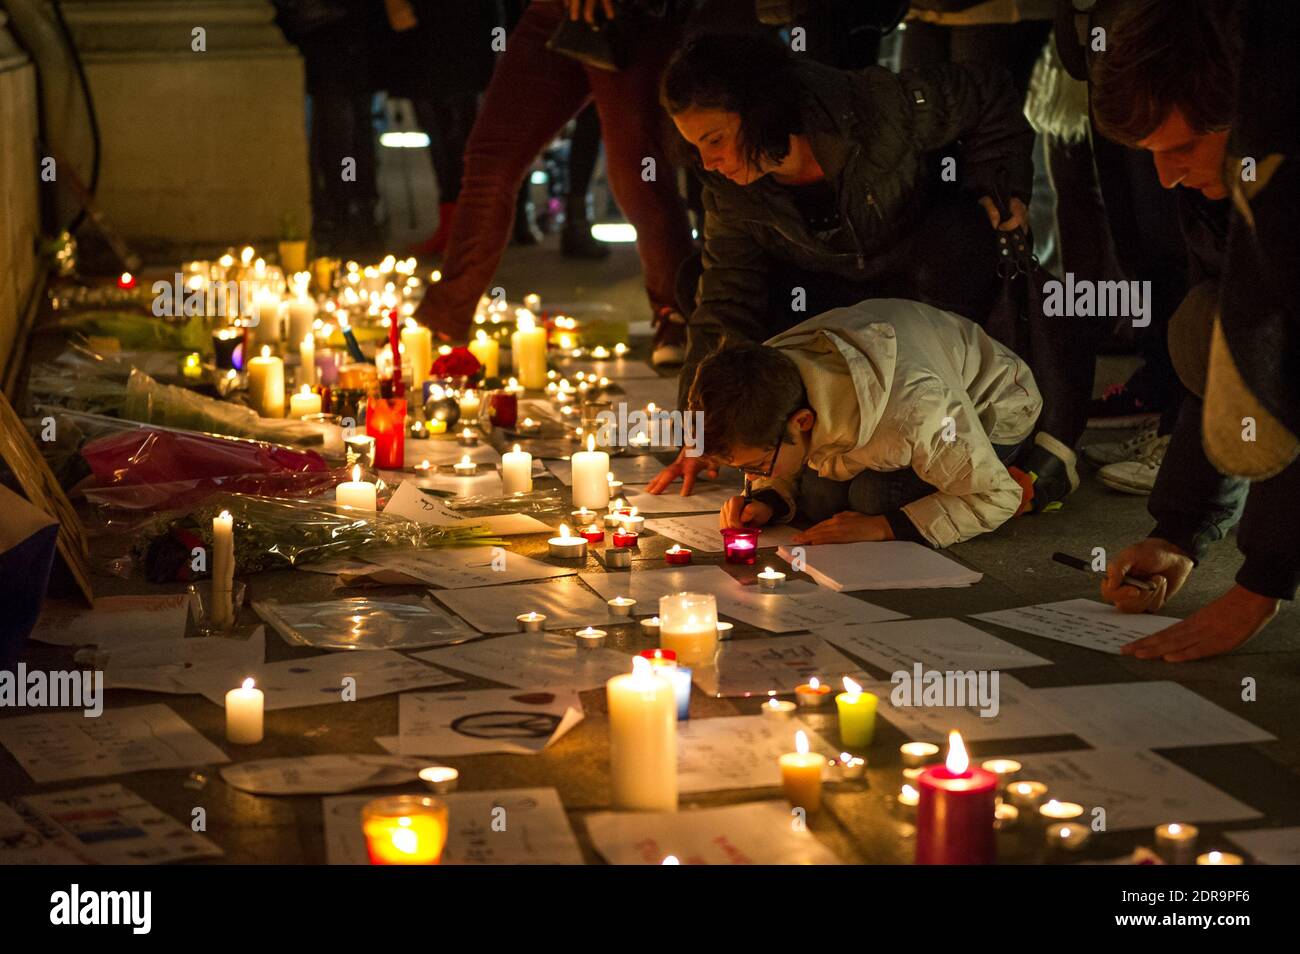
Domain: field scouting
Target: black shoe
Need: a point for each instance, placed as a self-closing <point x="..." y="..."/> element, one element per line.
<point x="576" y="241"/>
<point x="1053" y="468"/>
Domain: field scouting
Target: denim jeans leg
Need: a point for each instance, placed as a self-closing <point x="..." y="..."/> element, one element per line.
<point x="874" y="492"/>
<point x="821" y="498"/>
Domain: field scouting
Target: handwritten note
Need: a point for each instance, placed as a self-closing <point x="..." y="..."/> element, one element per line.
<point x="534" y="660"/>
<point x="798" y="605"/>
<point x="455" y="568"/>
<point x="492" y="609"/>
<point x="1018" y="714"/>
<point x="943" y="644"/>
<point x="115" y="620"/>
<point x="412" y="503"/>
<point x="754" y="667"/>
<point x="706" y="497"/>
<point x="737" y="752"/>
<point x="521" y="722"/>
<point x="160" y="665"/>
<point x="1085" y="623"/>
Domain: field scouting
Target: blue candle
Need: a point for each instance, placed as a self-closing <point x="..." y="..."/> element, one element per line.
<point x="682" y="687"/>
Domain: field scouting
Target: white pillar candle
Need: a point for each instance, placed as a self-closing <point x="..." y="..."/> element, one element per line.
<point x="642" y="740"/>
<point x="302" y="314"/>
<point x="418" y="342"/>
<point x="488" y="352"/>
<point x="307" y="359"/>
<point x="470" y="403"/>
<point x="266" y="318"/>
<point x="223" y="569"/>
<point x="304" y="402"/>
<point x="266" y="384"/>
<point x="356" y="493"/>
<point x="528" y="351"/>
<point x="590" y="489"/>
<point x="244" y="714"/>
<point x="688" y="625"/>
<point x="516" y="472"/>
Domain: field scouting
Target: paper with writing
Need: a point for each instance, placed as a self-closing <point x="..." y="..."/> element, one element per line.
<point x="535" y="660"/>
<point x="755" y="667"/>
<point x="564" y="600"/>
<point x="321" y="774"/>
<point x="1080" y="622"/>
<point x="408" y="501"/>
<point x="941" y="644"/>
<point x="737" y="752"/>
<point x="518" y="721"/>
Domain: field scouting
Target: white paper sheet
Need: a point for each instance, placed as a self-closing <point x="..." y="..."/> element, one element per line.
<point x="29" y="840"/>
<point x="1080" y="622"/>
<point x="737" y="752"/>
<point x="700" y="532"/>
<point x="114" y="826"/>
<point x="321" y="774"/>
<point x="124" y="620"/>
<point x="756" y="833"/>
<point x="707" y="497"/>
<point x="486" y="482"/>
<point x="319" y="680"/>
<point x="797" y="606"/>
<point x="935" y="643"/>
<point x="1018" y="715"/>
<point x="158" y="666"/>
<point x="565" y="601"/>
<point x="755" y="667"/>
<point x="1269" y="846"/>
<point x="887" y="565"/>
<point x="536" y="829"/>
<point x="454" y="568"/>
<point x="518" y="721"/>
<point x="1138" y="789"/>
<point x="647" y="586"/>
<point x="66" y="745"/>
<point x="1146" y="715"/>
<point x="535" y="660"/>
<point x="447" y="451"/>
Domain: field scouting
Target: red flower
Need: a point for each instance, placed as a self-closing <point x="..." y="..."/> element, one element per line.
<point x="459" y="362"/>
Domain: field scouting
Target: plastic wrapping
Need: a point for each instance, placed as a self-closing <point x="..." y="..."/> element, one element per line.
<point x="273" y="533"/>
<point x="363" y="622"/>
<point x="535" y="501"/>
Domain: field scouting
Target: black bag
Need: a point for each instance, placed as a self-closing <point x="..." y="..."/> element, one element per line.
<point x="608" y="44"/>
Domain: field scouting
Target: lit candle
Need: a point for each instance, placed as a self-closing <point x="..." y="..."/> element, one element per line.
<point x="724" y="630"/>
<point x="244" y="714"/>
<point x="531" y="622"/>
<point x="223" y="570"/>
<point x="1005" y="816"/>
<point x="1027" y="796"/>
<point x="650" y="626"/>
<point x="615" y="486"/>
<point x="954" y="817"/>
<point x="465" y="467"/>
<point x="528" y="428"/>
<point x="356" y="494"/>
<point x="681" y="680"/>
<point x="1176" y="843"/>
<point x="516" y="472"/>
<point x="852" y="767"/>
<point x="307" y="359"/>
<point x="468" y="438"/>
<point x="488" y="352"/>
<point x="592" y="533"/>
<point x="857" y="715"/>
<point x="659" y="658"/>
<point x="470" y="405"/>
<point x="582" y="516"/>
<point x="1005" y="769"/>
<point x="386" y="423"/>
<point x="1219" y="858"/>
<point x="1067" y="836"/>
<point x="303" y="403"/>
<point x="617" y="511"/>
<point x="360" y="449"/>
<point x="418" y="342"/>
<point x="812" y="694"/>
<point x="677" y="555"/>
<point x="917" y="753"/>
<point x="632" y="522"/>
<point x="1053" y="810"/>
<point x="440" y="779"/>
<point x="567" y="547"/>
<point x="192" y="367"/>
<point x="621" y="605"/>
<point x="688" y="625"/>
<point x="405" y="830"/>
<point x="801" y="775"/>
<point x="778" y="709"/>
<point x="590" y="638"/>
<point x="770" y="579"/>
<point x="740" y="545"/>
<point x="908" y="799"/>
<point x="624" y="538"/>
<point x="590" y="489"/>
<point x="528" y="352"/>
<point x="266" y="384"/>
<point x="642" y="740"/>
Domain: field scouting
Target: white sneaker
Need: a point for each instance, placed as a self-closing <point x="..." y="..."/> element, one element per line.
<point x="1136" y="476"/>
<point x="1115" y="452"/>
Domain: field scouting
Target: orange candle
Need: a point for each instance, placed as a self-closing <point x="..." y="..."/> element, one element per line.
<point x="405" y="830"/>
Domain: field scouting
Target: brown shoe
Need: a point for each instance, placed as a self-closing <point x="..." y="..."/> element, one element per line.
<point x="669" y="338"/>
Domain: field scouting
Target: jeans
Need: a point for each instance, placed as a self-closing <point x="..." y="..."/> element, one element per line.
<point x="872" y="492"/>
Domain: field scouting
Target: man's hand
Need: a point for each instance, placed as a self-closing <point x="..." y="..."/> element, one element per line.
<point x="586" y="9"/>
<point x="1158" y="562"/>
<point x="1019" y="217"/>
<point x="686" y="468"/>
<point x="736" y="513"/>
<point x="1215" y="628"/>
<point x="847" y="527"/>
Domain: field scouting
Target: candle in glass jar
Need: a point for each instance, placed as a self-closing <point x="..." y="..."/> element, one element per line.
<point x="740" y="545"/>
<point x="954" y="818"/>
<point x="303" y="403"/>
<point x="857" y="711"/>
<point x="405" y="830"/>
<point x="470" y="404"/>
<point x="801" y="774"/>
<point x="642" y="740"/>
<point x="688" y="625"/>
<point x="589" y="467"/>
<point x="516" y="472"/>
<point x="386" y="423"/>
<point x="244" y="708"/>
<point x="356" y="494"/>
<point x="488" y="352"/>
<point x="266" y="384"/>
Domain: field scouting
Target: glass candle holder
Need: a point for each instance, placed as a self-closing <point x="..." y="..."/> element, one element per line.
<point x="405" y="830"/>
<point x="229" y="346"/>
<point x="688" y="625"/>
<point x="503" y="409"/>
<point x="740" y="545"/>
<point x="386" y="423"/>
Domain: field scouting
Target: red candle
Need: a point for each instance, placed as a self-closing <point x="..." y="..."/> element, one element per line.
<point x="503" y="409"/>
<point x="593" y="534"/>
<point x="677" y="555"/>
<point x="660" y="657"/>
<point x="954" y="818"/>
<point x="740" y="545"/>
<point x="386" y="423"/>
<point x="624" y="538"/>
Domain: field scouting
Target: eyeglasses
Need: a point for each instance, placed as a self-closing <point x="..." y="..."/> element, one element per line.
<point x="771" y="466"/>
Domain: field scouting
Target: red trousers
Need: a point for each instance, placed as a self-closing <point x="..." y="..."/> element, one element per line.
<point x="533" y="93"/>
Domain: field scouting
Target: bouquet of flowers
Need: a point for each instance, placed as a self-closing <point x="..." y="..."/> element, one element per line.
<point x="457" y="363"/>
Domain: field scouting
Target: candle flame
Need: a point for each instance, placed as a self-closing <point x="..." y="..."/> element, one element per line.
<point x="1175" y="828"/>
<point x="591" y="442"/>
<point x="671" y="860"/>
<point x="356" y="473"/>
<point x="564" y="529"/>
<point x="774" y="703"/>
<point x="633" y="514"/>
<point x="516" y="448"/>
<point x="958" y="762"/>
<point x="266" y="351"/>
<point x="248" y="683"/>
<point x="814" y="684"/>
<point x="225" y="515"/>
<point x="641" y="667"/>
<point x="909" y="794"/>
<point x="481" y="336"/>
<point x="852" y="688"/>
<point x="464" y="459"/>
<point x="801" y="742"/>
<point x="306" y="389"/>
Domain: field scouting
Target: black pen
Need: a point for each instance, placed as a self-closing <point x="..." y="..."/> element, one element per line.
<point x="1075" y="563"/>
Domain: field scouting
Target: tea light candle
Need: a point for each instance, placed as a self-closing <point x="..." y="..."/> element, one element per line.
<point x="1052" y="810"/>
<point x="778" y="709"/>
<point x="1067" y="836"/>
<point x="592" y="533"/>
<point x="680" y="676"/>
<point x="688" y="625"/>
<point x="266" y="384"/>
<point x="615" y="486"/>
<point x="650" y="626"/>
<point x="908" y="798"/>
<point x="531" y="622"/>
<point x="356" y="494"/>
<point x="918" y="753"/>
<point x="632" y="522"/>
<point x="590" y="489"/>
<point x="812" y="694"/>
<point x="621" y="605"/>
<point x="954" y="816"/>
<point x="801" y="775"/>
<point x="590" y="638"/>
<point x="857" y="715"/>
<point x="405" y="830"/>
<point x="467" y="438"/>
<point x="1176" y="843"/>
<point x="192" y="366"/>
<point x="516" y="472"/>
<point x="244" y="714"/>
<point x="913" y="774"/>
<point x="619" y="558"/>
<point x="852" y="767"/>
<point x="567" y="547"/>
<point x="360" y="449"/>
<point x="740" y="545"/>
<point x="440" y="779"/>
<point x="223" y="570"/>
<point x="1026" y="796"/>
<point x="642" y="740"/>
<point x="304" y="403"/>
<point x="659" y="658"/>
<point x="624" y="538"/>
<point x="725" y="630"/>
<point x="488" y="352"/>
<point x="1005" y="769"/>
<point x="617" y="511"/>
<point x="528" y="427"/>
<point x="466" y="467"/>
<point x="677" y="555"/>
<point x="770" y="579"/>
<point x="470" y="405"/>
<point x="1005" y="816"/>
<point x="1219" y="858"/>
<point x="582" y="516"/>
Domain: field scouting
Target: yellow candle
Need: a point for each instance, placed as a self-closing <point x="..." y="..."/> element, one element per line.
<point x="801" y="775"/>
<point x="642" y="740"/>
<point x="688" y="625"/>
<point x="304" y="402"/>
<point x="528" y="350"/>
<point x="266" y="384"/>
<point x="418" y="342"/>
<point x="244" y="714"/>
<point x="857" y="715"/>
<point x="488" y="352"/>
<point x="405" y="830"/>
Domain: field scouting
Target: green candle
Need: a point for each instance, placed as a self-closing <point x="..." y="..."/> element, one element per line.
<point x="857" y="715"/>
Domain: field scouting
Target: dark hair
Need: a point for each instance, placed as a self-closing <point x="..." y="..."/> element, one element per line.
<point x="747" y="393"/>
<point x="751" y="74"/>
<point x="1161" y="55"/>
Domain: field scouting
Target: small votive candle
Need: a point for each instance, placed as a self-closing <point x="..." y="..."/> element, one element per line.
<point x="1176" y="843"/>
<point x="908" y="798"/>
<point x="650" y="626"/>
<point x="677" y="555"/>
<point x="1067" y="836"/>
<point x="244" y="708"/>
<point x="725" y="630"/>
<point x="405" y="830"/>
<point x="465" y="467"/>
<point x="918" y="753"/>
<point x="1052" y="810"/>
<point x="616" y="558"/>
<point x="531" y="622"/>
<point x="1005" y="769"/>
<point x="659" y="658"/>
<point x="621" y="605"/>
<point x="740" y="545"/>
<point x="592" y="533"/>
<point x="615" y="486"/>
<point x="770" y="579"/>
<point x="624" y="538"/>
<point x="440" y="779"/>
<point x="778" y="709"/>
<point x="857" y="711"/>
<point x="852" y="767"/>
<point x="467" y="438"/>
<point x="801" y="775"/>
<point x="590" y="638"/>
<point x="1026" y="796"/>
<point x="360" y="449"/>
<point x="583" y="517"/>
<point x="528" y="427"/>
<point x="812" y="694"/>
<point x="567" y="547"/>
<point x="1005" y="816"/>
<point x="632" y="522"/>
<point x="1219" y="858"/>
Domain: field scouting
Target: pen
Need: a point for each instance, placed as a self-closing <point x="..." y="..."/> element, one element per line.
<point x="1075" y="563"/>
